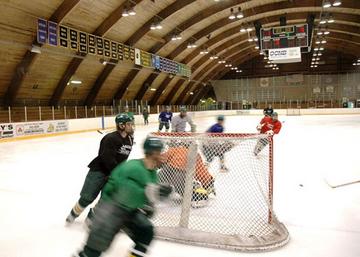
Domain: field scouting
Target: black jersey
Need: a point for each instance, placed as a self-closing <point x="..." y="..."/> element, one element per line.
<point x="114" y="149"/>
<point x="268" y="111"/>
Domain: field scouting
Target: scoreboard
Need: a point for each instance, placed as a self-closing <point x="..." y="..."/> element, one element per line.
<point x="284" y="37"/>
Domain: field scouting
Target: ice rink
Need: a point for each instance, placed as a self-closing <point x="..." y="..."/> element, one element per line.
<point x="40" y="180"/>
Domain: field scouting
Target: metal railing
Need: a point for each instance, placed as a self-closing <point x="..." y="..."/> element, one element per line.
<point x="40" y="113"/>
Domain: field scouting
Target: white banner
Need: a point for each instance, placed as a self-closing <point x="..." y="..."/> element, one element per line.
<point x="33" y="128"/>
<point x="285" y="55"/>
<point x="137" y="56"/>
<point x="264" y="82"/>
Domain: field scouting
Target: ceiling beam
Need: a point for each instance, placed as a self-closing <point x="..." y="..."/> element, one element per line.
<point x="103" y="28"/>
<point x="25" y="64"/>
<point x="125" y="84"/>
<point x="145" y="87"/>
<point x="181" y="96"/>
<point x="159" y="91"/>
<point x="140" y="33"/>
<point x="172" y="93"/>
<point x="204" y="14"/>
<point x="98" y="84"/>
<point x="274" y="18"/>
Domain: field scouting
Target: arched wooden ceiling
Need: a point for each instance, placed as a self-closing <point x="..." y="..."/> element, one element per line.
<point x="195" y="19"/>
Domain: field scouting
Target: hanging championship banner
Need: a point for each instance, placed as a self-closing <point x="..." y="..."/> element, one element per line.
<point x="64" y="36"/>
<point x="83" y="40"/>
<point x="52" y="33"/>
<point x="137" y="56"/>
<point x="114" y="52"/>
<point x="74" y="39"/>
<point x="91" y="44"/>
<point x="120" y="52"/>
<point x="41" y="31"/>
<point x="100" y="46"/>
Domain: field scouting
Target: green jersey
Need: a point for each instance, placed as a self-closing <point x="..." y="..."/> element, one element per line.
<point x="127" y="183"/>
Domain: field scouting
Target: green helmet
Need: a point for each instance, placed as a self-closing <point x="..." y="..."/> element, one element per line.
<point x="182" y="109"/>
<point x="221" y="117"/>
<point x="153" y="144"/>
<point x="122" y="118"/>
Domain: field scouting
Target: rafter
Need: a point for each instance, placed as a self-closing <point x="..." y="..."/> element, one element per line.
<point x="25" y="65"/>
<point x="104" y="27"/>
<point x="135" y="37"/>
<point x="268" y="19"/>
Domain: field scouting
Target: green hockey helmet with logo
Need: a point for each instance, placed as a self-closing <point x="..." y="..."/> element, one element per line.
<point x="152" y="144"/>
<point x="122" y="118"/>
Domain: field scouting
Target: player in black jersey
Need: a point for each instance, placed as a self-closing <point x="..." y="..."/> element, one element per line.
<point x="114" y="149"/>
<point x="268" y="111"/>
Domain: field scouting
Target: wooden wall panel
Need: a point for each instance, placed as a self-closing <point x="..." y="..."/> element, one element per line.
<point x="88" y="71"/>
<point x="137" y="83"/>
<point x="169" y="23"/>
<point x="48" y="71"/>
<point x="148" y="95"/>
<point x="89" y="14"/>
<point x="168" y="90"/>
<point x="113" y="81"/>
<point x="126" y="27"/>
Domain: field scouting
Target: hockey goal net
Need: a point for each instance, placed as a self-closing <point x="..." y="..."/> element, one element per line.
<point x="223" y="193"/>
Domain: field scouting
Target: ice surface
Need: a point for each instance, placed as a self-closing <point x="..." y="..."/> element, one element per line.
<point x="40" y="180"/>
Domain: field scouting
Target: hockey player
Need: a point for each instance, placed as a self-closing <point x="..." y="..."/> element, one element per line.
<point x="268" y="111"/>
<point x="217" y="149"/>
<point x="115" y="148"/>
<point x="178" y="123"/>
<point x="145" y="114"/>
<point x="173" y="171"/>
<point x="130" y="114"/>
<point x="270" y="126"/>
<point x="165" y="119"/>
<point x="127" y="203"/>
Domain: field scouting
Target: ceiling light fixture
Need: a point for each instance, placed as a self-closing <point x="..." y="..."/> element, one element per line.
<point x="132" y="12"/>
<point x="240" y="14"/>
<point x="337" y="3"/>
<point x="77" y="82"/>
<point x="125" y="13"/>
<point x="35" y="49"/>
<point x="232" y="15"/>
<point x="326" y="4"/>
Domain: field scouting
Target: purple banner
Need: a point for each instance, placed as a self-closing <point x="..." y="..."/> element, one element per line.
<point x="42" y="31"/>
<point x="52" y="32"/>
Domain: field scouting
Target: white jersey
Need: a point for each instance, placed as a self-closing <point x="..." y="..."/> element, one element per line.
<point x="178" y="123"/>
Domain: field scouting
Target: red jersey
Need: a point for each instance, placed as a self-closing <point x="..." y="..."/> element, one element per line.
<point x="269" y="124"/>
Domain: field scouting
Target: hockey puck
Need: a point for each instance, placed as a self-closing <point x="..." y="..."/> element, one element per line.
<point x="301" y="185"/>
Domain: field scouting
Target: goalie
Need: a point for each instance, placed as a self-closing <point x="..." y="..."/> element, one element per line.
<point x="173" y="172"/>
<point x="269" y="125"/>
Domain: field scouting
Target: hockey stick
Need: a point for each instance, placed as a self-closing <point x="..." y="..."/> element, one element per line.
<point x="344" y="184"/>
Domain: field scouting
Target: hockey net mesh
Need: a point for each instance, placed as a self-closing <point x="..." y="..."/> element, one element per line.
<point x="222" y="192"/>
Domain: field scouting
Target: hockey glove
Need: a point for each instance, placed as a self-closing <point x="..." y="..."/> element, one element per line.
<point x="156" y="193"/>
<point x="148" y="210"/>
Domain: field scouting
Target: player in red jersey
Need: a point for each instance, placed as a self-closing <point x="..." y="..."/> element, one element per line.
<point x="269" y="125"/>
